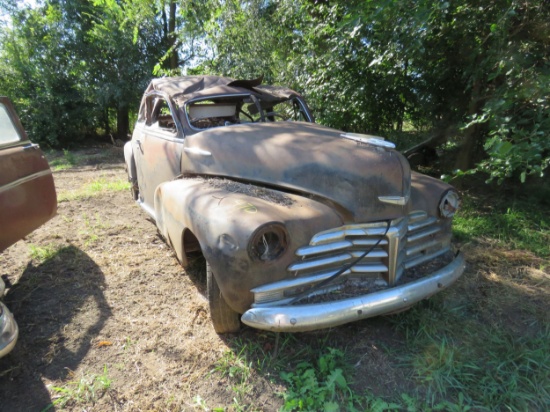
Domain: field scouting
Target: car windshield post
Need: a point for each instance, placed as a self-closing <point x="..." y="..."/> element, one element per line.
<point x="258" y="106"/>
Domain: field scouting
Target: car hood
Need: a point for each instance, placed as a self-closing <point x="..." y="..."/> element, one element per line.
<point x="304" y="158"/>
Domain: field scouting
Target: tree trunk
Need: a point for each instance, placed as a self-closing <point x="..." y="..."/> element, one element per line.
<point x="466" y="156"/>
<point x="123" y="122"/>
<point x="174" y="61"/>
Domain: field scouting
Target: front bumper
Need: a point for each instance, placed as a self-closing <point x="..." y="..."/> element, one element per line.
<point x="301" y="318"/>
<point x="8" y="330"/>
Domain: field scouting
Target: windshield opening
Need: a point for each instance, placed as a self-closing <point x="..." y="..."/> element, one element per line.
<point x="230" y="110"/>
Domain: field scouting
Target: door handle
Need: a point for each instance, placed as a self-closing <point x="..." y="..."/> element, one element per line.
<point x="31" y="146"/>
<point x="138" y="142"/>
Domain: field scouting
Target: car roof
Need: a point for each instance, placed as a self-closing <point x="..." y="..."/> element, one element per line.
<point x="184" y="88"/>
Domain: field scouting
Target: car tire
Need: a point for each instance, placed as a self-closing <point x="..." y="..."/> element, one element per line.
<point x="134" y="190"/>
<point x="224" y="319"/>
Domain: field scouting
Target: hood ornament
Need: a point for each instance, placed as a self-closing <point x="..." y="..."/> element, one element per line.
<point x="368" y="139"/>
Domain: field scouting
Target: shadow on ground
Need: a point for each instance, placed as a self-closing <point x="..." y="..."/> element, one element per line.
<point x="60" y="307"/>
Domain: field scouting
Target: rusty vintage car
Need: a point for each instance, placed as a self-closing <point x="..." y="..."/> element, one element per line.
<point x="27" y="198"/>
<point x="302" y="226"/>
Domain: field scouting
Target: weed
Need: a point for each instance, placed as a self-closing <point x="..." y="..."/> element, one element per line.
<point x="43" y="253"/>
<point x="234" y="365"/>
<point x="62" y="163"/>
<point x="88" y="389"/>
<point x="319" y="387"/>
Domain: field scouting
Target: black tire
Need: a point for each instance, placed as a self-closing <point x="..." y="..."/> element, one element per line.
<point x="224" y="319"/>
<point x="134" y="190"/>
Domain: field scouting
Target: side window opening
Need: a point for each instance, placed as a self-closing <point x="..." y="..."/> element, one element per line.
<point x="8" y="132"/>
<point x="161" y="115"/>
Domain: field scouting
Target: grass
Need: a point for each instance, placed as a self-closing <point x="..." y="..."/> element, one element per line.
<point x="90" y="156"/>
<point x="516" y="225"/>
<point x="43" y="253"/>
<point x="93" y="227"/>
<point x="462" y="362"/>
<point x="67" y="161"/>
<point x="94" y="188"/>
<point x="84" y="391"/>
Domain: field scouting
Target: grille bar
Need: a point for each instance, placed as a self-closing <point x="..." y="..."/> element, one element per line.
<point x="408" y="242"/>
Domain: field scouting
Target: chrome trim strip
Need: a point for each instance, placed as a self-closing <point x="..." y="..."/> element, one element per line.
<point x="329" y="247"/>
<point x="424" y="233"/>
<point x="25" y="179"/>
<point x="302" y="318"/>
<point x="395" y="200"/>
<point x="330" y="260"/>
<point x="424" y="258"/>
<point x="419" y="224"/>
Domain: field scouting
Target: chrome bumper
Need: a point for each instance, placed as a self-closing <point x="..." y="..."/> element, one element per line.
<point x="8" y="330"/>
<point x="301" y="318"/>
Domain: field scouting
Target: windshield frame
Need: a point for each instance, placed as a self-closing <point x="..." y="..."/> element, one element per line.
<point x="239" y="98"/>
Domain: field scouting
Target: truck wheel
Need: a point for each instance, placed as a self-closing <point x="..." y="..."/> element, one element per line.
<point x="224" y="319"/>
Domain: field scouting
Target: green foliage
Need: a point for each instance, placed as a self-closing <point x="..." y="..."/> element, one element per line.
<point x="319" y="387"/>
<point x="65" y="64"/>
<point x="474" y="72"/>
<point x="471" y="71"/>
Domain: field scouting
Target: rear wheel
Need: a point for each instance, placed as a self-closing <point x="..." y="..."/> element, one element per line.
<point x="224" y="319"/>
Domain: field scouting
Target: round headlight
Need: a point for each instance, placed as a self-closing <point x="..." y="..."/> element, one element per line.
<point x="268" y="242"/>
<point x="449" y="204"/>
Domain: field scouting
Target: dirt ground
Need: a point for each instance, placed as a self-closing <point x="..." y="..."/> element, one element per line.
<point x="97" y="293"/>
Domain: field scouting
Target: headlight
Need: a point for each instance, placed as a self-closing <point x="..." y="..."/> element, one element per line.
<point x="449" y="204"/>
<point x="268" y="242"/>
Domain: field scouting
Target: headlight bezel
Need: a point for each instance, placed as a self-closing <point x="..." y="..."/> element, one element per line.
<point x="268" y="242"/>
<point x="449" y="204"/>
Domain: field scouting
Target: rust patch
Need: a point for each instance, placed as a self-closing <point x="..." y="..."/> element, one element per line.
<point x="250" y="190"/>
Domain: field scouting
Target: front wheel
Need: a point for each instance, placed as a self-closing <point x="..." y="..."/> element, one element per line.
<point x="224" y="319"/>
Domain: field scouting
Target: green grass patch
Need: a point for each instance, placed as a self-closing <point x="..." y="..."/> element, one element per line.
<point x="64" y="162"/>
<point x="517" y="225"/>
<point x="94" y="188"/>
<point x="87" y="390"/>
<point x="43" y="253"/>
<point x="460" y="363"/>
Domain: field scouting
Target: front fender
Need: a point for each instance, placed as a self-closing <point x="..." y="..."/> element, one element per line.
<point x="223" y="220"/>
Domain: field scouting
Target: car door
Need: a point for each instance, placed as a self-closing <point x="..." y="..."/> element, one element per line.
<point x="158" y="142"/>
<point x="27" y="191"/>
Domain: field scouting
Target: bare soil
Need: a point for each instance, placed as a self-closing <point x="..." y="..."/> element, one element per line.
<point x="112" y="300"/>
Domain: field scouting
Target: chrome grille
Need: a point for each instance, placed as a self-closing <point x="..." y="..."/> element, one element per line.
<point x="408" y="242"/>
